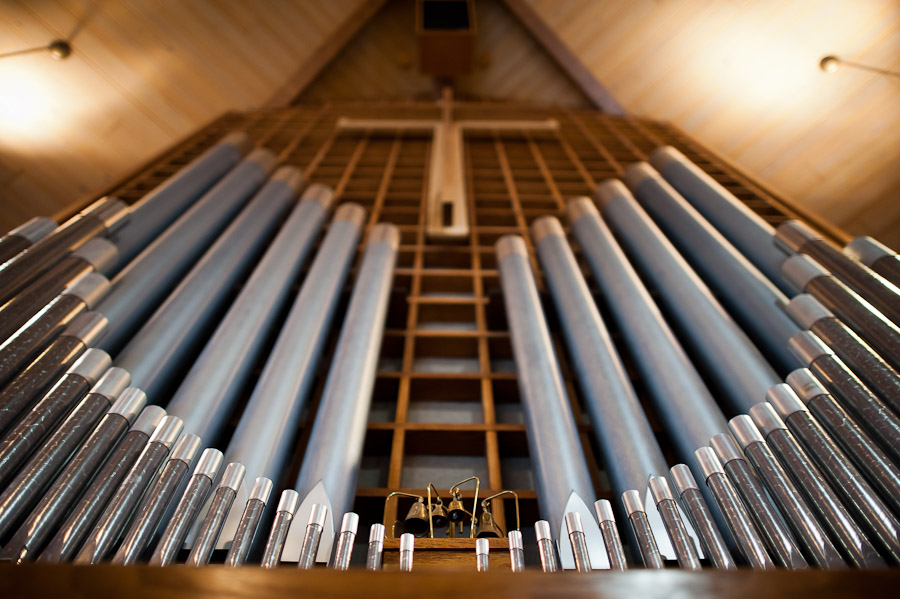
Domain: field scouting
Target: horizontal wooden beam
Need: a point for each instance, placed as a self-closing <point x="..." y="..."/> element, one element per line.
<point x="564" y="57"/>
<point x="324" y="54"/>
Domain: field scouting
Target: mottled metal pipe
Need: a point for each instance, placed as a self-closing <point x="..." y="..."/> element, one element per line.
<point x="614" y="550"/>
<point x="808" y="276"/>
<point x="376" y="547"/>
<point x="148" y="515"/>
<point x="749" y="542"/>
<point x="284" y="516"/>
<point x="796" y="236"/>
<point x="346" y="538"/>
<point x="751" y="298"/>
<point x="48" y="324"/>
<point x="876" y="256"/>
<point x="94" y="256"/>
<point x="125" y="500"/>
<point x="810" y="481"/>
<point x="643" y="534"/>
<point x="24" y="236"/>
<point x="68" y="540"/>
<point x="332" y="460"/>
<point x="207" y="395"/>
<point x="33" y="534"/>
<point x="707" y="532"/>
<point x="143" y="284"/>
<point x="248" y="525"/>
<point x="23" y="438"/>
<point x="685" y="550"/>
<point x="810" y="535"/>
<point x="211" y="526"/>
<point x="516" y="550"/>
<point x="407" y="546"/>
<point x="101" y="218"/>
<point x="28" y="485"/>
<point x="483" y="555"/>
<point x="561" y="475"/>
<point x="768" y="522"/>
<point x="734" y="363"/>
<point x="577" y="542"/>
<point x="546" y="546"/>
<point x="172" y="335"/>
<point x="312" y="535"/>
<point x="188" y="507"/>
<point x="871" y="368"/>
<point x="26" y="388"/>
<point x="867" y="408"/>
<point x="160" y="207"/>
<point x="858" y="446"/>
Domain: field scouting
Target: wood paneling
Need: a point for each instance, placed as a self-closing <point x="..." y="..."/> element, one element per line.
<point x="742" y="77"/>
<point x="144" y="73"/>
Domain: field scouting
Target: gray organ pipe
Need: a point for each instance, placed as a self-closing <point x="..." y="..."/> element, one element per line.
<point x="609" y="397"/>
<point x="876" y="256"/>
<point x="206" y="396"/>
<point x="170" y="337"/>
<point x="752" y="299"/>
<point x="334" y="452"/>
<point x="679" y="394"/>
<point x="561" y="474"/>
<point x="102" y="217"/>
<point x="734" y="362"/>
<point x="94" y="256"/>
<point x="142" y="285"/>
<point x="262" y="440"/>
<point x="24" y="236"/>
<point x="735" y="220"/>
<point x="796" y="236"/>
<point x="159" y="208"/>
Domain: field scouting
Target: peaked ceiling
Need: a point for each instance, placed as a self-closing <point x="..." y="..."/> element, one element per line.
<point x="740" y="76"/>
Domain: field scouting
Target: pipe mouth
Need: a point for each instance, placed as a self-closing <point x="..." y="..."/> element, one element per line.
<point x="604" y="510"/>
<point x="683" y="478"/>
<point x="745" y="431"/>
<point x="805" y="384"/>
<point x="129" y="404"/>
<point x="808" y="347"/>
<point x="209" y="463"/>
<point x="726" y="447"/>
<point x="867" y="250"/>
<point x="149" y="418"/>
<point x="708" y="461"/>
<point x="784" y="400"/>
<point x="632" y="502"/>
<point x="765" y="418"/>
<point x="112" y="383"/>
<point x="798" y="270"/>
<point x="805" y="310"/>
<point x="91" y="365"/>
<point x="88" y="327"/>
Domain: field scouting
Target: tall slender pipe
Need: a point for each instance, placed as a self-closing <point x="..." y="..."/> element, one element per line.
<point x="732" y="217"/>
<point x="24" y="236"/>
<point x="561" y="474"/>
<point x="262" y="441"/>
<point x="94" y="256"/>
<point x="735" y="364"/>
<point x="796" y="236"/>
<point x="876" y="256"/>
<point x="140" y="287"/>
<point x="160" y="207"/>
<point x="208" y="393"/>
<point x="334" y="452"/>
<point x="751" y="298"/>
<point x="170" y="337"/>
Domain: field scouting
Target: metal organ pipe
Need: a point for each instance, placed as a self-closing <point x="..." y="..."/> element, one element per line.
<point x="876" y="256"/>
<point x="24" y="236"/>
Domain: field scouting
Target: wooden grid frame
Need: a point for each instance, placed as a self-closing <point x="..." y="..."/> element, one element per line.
<point x="446" y="302"/>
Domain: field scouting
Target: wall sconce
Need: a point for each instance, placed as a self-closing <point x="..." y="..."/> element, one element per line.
<point x="58" y="49"/>
<point x="831" y="63"/>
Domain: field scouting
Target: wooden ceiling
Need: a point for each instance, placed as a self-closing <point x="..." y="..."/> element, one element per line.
<point x="740" y="76"/>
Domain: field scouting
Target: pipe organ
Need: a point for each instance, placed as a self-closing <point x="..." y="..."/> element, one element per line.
<point x="262" y="352"/>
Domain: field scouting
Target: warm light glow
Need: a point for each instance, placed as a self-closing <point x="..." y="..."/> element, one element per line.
<point x="830" y="64"/>
<point x="26" y="103"/>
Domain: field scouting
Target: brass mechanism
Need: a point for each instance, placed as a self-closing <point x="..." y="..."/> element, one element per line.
<point x="457" y="511"/>
<point x="487" y="525"/>
<point x="416" y="521"/>
<point x="439" y="518"/>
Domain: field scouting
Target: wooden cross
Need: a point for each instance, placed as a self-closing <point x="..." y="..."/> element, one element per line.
<point x="447" y="206"/>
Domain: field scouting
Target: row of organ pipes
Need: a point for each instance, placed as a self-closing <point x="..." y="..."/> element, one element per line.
<point x="100" y="315"/>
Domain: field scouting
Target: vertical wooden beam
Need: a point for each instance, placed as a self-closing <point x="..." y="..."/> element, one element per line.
<point x="564" y="57"/>
<point x="324" y="54"/>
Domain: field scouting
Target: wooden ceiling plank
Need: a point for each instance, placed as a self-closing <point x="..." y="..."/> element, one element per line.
<point x="564" y="56"/>
<point x="324" y="54"/>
